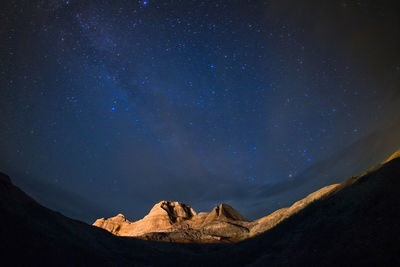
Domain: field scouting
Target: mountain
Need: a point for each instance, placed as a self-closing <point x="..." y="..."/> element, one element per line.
<point x="161" y="218"/>
<point x="175" y="221"/>
<point x="178" y="222"/>
<point x="46" y="237"/>
<point x="54" y="197"/>
<point x="32" y="235"/>
<point x="353" y="223"/>
<point x="351" y="160"/>
<point x="358" y="223"/>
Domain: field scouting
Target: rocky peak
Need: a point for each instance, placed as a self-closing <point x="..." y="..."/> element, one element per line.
<point x="112" y="224"/>
<point x="229" y="212"/>
<point x="224" y="212"/>
<point x="176" y="211"/>
<point x="120" y="217"/>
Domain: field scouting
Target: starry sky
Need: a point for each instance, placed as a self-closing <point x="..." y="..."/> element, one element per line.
<point x="127" y="103"/>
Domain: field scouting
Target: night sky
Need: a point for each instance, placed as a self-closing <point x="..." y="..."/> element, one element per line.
<point x="127" y="103"/>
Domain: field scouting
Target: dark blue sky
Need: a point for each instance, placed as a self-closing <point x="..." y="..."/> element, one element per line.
<point x="127" y="103"/>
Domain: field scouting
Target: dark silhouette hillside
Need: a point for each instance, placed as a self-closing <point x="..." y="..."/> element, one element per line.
<point x="358" y="223"/>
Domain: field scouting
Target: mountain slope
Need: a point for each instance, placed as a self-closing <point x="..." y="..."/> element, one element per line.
<point x="51" y="196"/>
<point x="358" y="223"/>
<point x="355" y="223"/>
<point x="161" y="218"/>
<point x="175" y="221"/>
<point x="353" y="159"/>
<point x="178" y="222"/>
<point x="32" y="235"/>
<point x="46" y="237"/>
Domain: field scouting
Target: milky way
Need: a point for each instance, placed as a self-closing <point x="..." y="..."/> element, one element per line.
<point x="128" y="103"/>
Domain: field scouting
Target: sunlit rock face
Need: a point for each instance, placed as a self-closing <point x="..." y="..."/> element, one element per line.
<point x="178" y="222"/>
<point x="113" y="224"/>
<point x="170" y="212"/>
<point x="340" y="225"/>
<point x="161" y="218"/>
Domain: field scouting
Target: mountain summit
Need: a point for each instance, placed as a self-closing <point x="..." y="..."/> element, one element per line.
<point x="354" y="223"/>
<point x="178" y="222"/>
<point x="175" y="211"/>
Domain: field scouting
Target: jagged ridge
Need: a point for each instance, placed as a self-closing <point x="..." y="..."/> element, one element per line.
<point x="175" y="221"/>
<point x="357" y="223"/>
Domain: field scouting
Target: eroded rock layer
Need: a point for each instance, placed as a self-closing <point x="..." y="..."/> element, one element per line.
<point x="178" y="222"/>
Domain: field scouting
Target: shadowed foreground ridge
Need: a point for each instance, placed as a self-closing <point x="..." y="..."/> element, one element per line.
<point x="357" y="222"/>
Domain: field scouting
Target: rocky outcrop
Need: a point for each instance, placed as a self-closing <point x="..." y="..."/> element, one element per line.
<point x="355" y="223"/>
<point x="175" y="221"/>
<point x="178" y="222"/>
<point x="114" y="224"/>
<point x="161" y="218"/>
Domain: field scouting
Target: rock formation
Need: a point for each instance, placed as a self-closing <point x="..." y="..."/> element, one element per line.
<point x="354" y="223"/>
<point x="161" y="218"/>
<point x="175" y="221"/>
<point x="178" y="222"/>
